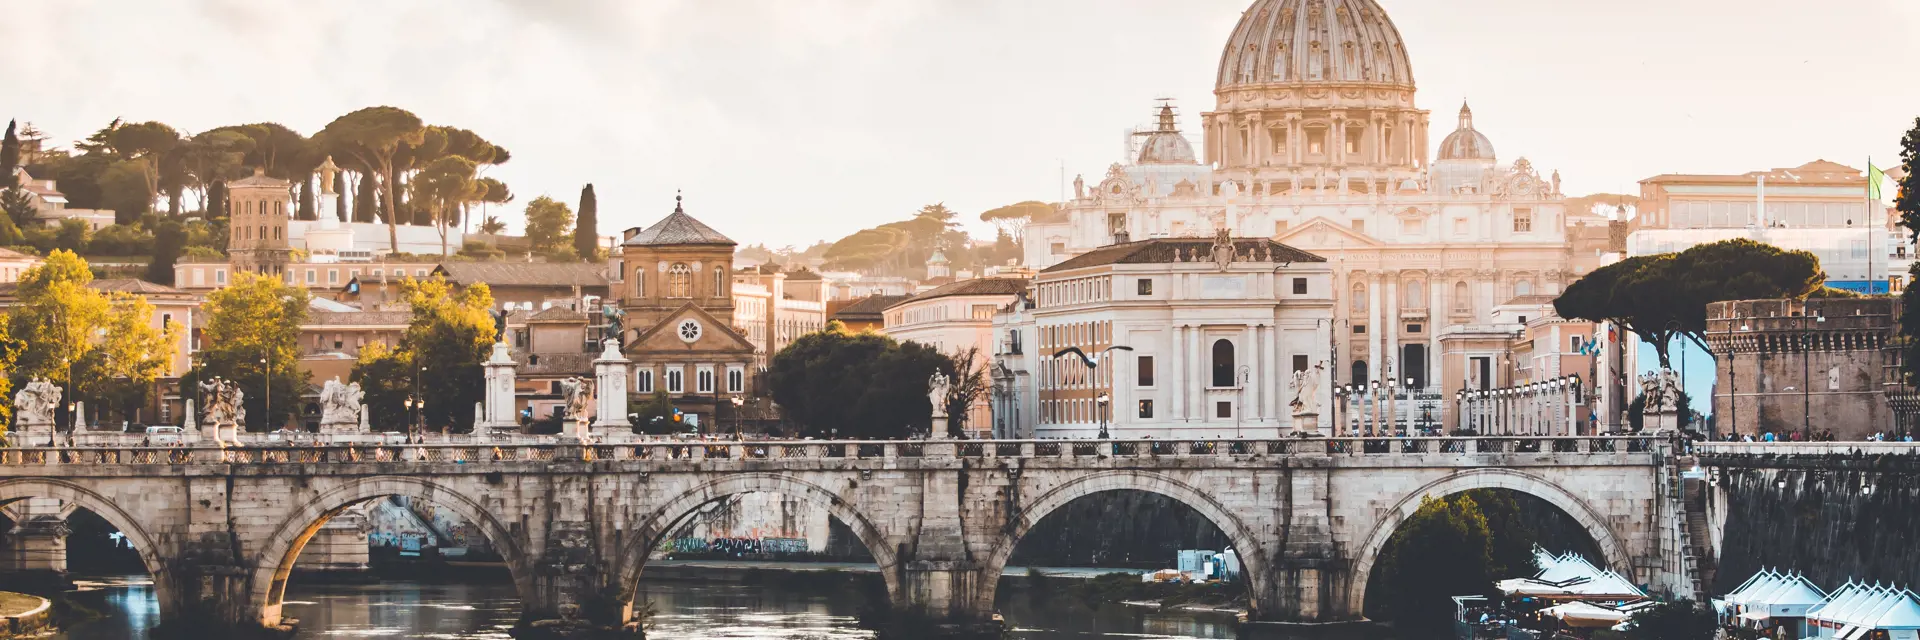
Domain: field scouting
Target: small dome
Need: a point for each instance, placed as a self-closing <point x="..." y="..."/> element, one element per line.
<point x="1465" y="143"/>
<point x="1165" y="145"/>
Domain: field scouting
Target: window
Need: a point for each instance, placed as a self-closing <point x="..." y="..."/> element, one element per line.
<point x="1146" y="408"/>
<point x="1413" y="227"/>
<point x="1359" y="329"/>
<point x="1223" y="363"/>
<point x="1279" y="227"/>
<point x="1523" y="319"/>
<point x="1359" y="371"/>
<point x="333" y="276"/>
<point x="1523" y="288"/>
<point x="339" y="341"/>
<point x="1223" y="409"/>
<point x="1522" y="220"/>
<point x="1411" y="296"/>
<point x="420" y="273"/>
<point x="166" y="320"/>
<point x="719" y="282"/>
<point x="1299" y="286"/>
<point x="1460" y="297"/>
<point x="736" y="380"/>
<point x="704" y="378"/>
<point x="220" y="277"/>
<point x="674" y="383"/>
<point x="312" y="276"/>
<point x="1360" y="226"/>
<point x="1358" y="301"/>
<point x="1300" y="362"/>
<point x="1353" y="139"/>
<point x="643" y="381"/>
<point x="1316" y="140"/>
<point x="1573" y="345"/>
<point x="1145" y="371"/>
<point x="1459" y="226"/>
<point x="553" y="387"/>
<point x="679" y="281"/>
<point x="1058" y="248"/>
<point x="1414" y="327"/>
<point x="1144" y="286"/>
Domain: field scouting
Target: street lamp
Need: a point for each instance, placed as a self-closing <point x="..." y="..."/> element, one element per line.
<point x="412" y="417"/>
<point x="266" y="393"/>
<point x="1092" y="363"/>
<point x="1806" y="375"/>
<point x="1102" y="401"/>
<point x="737" y="403"/>
<point x="1245" y="376"/>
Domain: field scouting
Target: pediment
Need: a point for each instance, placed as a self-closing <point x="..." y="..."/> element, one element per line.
<point x="714" y="334"/>
<point x="1320" y="233"/>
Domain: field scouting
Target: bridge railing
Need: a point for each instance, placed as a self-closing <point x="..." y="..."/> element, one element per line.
<point x="671" y="451"/>
<point x="1807" y="448"/>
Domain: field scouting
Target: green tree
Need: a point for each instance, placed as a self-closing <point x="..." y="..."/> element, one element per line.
<point x="653" y="414"/>
<point x="18" y="206"/>
<point x="855" y="385"/>
<point x="169" y="241"/>
<point x="497" y="193"/>
<point x="123" y="188"/>
<point x="1013" y="219"/>
<point x="1906" y="198"/>
<point x="73" y="235"/>
<point x="10" y="350"/>
<point x="586" y="234"/>
<point x="57" y="315"/>
<point x="548" y="221"/>
<point x="371" y="137"/>
<point x="151" y="145"/>
<point x="117" y="375"/>
<point x="1677" y="620"/>
<point x="492" y="226"/>
<point x="1444" y="549"/>
<point x="445" y="187"/>
<point x="1661" y="297"/>
<point x="252" y="337"/>
<point x="213" y="156"/>
<point x="9" y="157"/>
<point x="450" y="336"/>
<point x="969" y="371"/>
<point x="386" y="376"/>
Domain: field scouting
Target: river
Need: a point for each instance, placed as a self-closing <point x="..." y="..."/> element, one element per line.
<point x="682" y="610"/>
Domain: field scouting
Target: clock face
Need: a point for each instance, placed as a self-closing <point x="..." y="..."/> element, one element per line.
<point x="689" y="330"/>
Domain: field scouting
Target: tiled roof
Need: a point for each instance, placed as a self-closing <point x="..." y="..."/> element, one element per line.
<point x="1168" y="250"/>
<point x="359" y="318"/>
<point x="260" y="179"/>
<point x="974" y="287"/>
<point x="133" y="285"/>
<point x="557" y="314"/>
<point x="525" y="274"/>
<point x="868" y="308"/>
<point x="561" y="363"/>
<point x="678" y="228"/>
<point x="803" y="274"/>
<point x="1530" y="300"/>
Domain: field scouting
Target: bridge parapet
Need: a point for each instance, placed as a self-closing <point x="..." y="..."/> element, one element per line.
<point x="482" y="453"/>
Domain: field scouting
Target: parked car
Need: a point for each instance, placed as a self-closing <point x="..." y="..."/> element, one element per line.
<point x="165" y="436"/>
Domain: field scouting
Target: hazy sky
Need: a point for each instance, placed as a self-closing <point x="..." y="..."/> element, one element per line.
<point x="790" y="121"/>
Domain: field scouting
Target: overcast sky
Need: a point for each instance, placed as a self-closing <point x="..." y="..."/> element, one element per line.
<point x="790" y="121"/>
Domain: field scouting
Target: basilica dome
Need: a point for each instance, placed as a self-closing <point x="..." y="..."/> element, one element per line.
<point x="1314" y="42"/>
<point x="1165" y="145"/>
<point x="1466" y="143"/>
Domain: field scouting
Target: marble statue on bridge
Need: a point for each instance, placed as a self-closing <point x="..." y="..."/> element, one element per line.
<point x="34" y="404"/>
<point x="1306" y="391"/>
<point x="340" y="406"/>
<point x="578" y="393"/>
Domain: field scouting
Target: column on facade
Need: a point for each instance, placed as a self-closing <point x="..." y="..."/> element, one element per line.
<point x="1196" y="384"/>
<point x="1271" y="387"/>
<point x="1435" y="311"/>
<point x="1257" y="138"/>
<point x="1339" y="140"/>
<point x="1390" y="331"/>
<point x="1294" y="145"/>
<point x="1176" y="361"/>
<point x="1374" y="330"/>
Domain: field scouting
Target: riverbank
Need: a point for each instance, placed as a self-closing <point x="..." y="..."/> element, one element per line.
<point x="22" y="614"/>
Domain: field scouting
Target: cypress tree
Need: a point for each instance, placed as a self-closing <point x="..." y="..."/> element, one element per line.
<point x="340" y="196"/>
<point x="9" y="157"/>
<point x="216" y="206"/>
<point x="363" y="203"/>
<point x="586" y="233"/>
<point x="305" y="211"/>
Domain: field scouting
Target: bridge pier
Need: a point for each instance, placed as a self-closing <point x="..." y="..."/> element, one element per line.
<point x="34" y="551"/>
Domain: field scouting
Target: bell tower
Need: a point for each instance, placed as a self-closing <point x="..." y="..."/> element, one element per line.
<point x="257" y="225"/>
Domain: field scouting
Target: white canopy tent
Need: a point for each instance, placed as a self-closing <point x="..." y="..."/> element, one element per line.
<point x="1770" y="594"/>
<point x="1857" y="609"/>
<point x="1570" y="577"/>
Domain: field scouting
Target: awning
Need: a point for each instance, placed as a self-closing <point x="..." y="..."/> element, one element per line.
<point x="1756" y="616"/>
<point x="1847" y="632"/>
<point x="1581" y="614"/>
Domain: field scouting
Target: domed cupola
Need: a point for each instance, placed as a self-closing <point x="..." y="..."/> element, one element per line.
<point x="1282" y="42"/>
<point x="1465" y="143"/>
<point x="1165" y="145"/>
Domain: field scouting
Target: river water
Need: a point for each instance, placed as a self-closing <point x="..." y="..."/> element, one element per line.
<point x="682" y="610"/>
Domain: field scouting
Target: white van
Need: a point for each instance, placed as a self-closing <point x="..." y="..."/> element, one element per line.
<point x="164" y="436"/>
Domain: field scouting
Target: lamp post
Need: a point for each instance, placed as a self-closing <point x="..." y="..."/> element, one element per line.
<point x="411" y="417"/>
<point x="737" y="403"/>
<point x="1245" y="375"/>
<point x="1102" y="401"/>
<point x="1806" y="375"/>
<point x="266" y="392"/>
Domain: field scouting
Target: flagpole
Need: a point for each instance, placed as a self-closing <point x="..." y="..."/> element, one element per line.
<point x="1871" y="289"/>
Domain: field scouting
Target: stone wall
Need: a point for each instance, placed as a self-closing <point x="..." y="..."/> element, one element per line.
<point x="1782" y="361"/>
<point x="1821" y="519"/>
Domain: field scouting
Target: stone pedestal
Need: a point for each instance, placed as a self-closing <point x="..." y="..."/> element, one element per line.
<point x="1307" y="423"/>
<point x="33" y="434"/>
<point x="501" y="418"/>
<point x="939" y="428"/>
<point x="610" y="391"/>
<point x="190" y="428"/>
<point x="343" y="428"/>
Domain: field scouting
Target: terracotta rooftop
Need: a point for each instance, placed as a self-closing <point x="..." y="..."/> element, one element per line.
<point x="868" y="308"/>
<point x="557" y="314"/>
<point x="1169" y="250"/>
<point x="678" y="228"/>
<point x="974" y="287"/>
<point x="525" y="274"/>
<point x="398" y="319"/>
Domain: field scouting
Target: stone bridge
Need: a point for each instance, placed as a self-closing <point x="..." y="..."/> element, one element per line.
<point x="220" y="529"/>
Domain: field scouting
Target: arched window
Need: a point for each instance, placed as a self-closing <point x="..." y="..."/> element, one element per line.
<point x="679" y="281"/>
<point x="1223" y="363"/>
<point x="1523" y="288"/>
<point x="1461" y="299"/>
<point x="719" y="282"/>
<point x="1360" y="297"/>
<point x="1413" y="294"/>
<point x="639" y="282"/>
<point x="1359" y="372"/>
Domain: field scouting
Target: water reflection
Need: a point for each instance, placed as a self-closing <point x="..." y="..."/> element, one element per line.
<point x="682" y="611"/>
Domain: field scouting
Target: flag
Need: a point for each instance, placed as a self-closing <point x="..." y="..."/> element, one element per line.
<point x="1874" y="177"/>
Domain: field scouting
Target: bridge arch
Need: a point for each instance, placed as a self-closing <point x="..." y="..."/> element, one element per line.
<point x="1611" y="546"/>
<point x="16" y="489"/>
<point x="1246" y="542"/>
<point x="660" y="522"/>
<point x="277" y="555"/>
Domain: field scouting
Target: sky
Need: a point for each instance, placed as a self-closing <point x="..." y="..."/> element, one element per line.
<point x="787" y="122"/>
